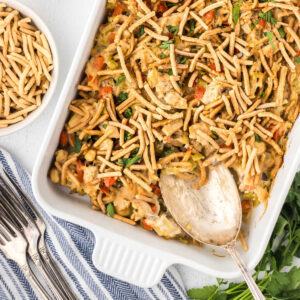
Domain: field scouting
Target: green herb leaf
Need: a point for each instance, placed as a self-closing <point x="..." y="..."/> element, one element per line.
<point x="110" y="209"/>
<point x="192" y="26"/>
<point x="127" y="136"/>
<point x="88" y="137"/>
<point x="270" y="36"/>
<point x="104" y="125"/>
<point x="168" y="151"/>
<point x="263" y="94"/>
<point x="120" y="79"/>
<point x="184" y="60"/>
<point x="77" y="145"/>
<point x="257" y="137"/>
<point x="170" y="72"/>
<point x="202" y="294"/>
<point x="122" y="97"/>
<point x="281" y="32"/>
<point x="127" y="162"/>
<point x="297" y="59"/>
<point x="162" y="55"/>
<point x="214" y="135"/>
<point x="142" y="30"/>
<point x="170" y="4"/>
<point x="135" y="151"/>
<point x="236" y="13"/>
<point x="267" y="16"/>
<point x="166" y="44"/>
<point x="255" y="23"/>
<point x="128" y="113"/>
<point x="173" y="29"/>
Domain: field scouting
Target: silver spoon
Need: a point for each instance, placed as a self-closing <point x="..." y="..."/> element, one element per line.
<point x="211" y="214"/>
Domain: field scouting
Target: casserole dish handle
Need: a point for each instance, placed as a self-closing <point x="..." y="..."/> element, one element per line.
<point x="128" y="261"/>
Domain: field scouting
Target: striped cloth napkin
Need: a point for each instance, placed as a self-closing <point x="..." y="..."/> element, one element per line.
<point x="72" y="247"/>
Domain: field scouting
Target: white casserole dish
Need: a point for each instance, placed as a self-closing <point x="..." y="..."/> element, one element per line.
<point x="131" y="253"/>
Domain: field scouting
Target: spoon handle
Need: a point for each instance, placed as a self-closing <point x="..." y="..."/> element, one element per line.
<point x="256" y="292"/>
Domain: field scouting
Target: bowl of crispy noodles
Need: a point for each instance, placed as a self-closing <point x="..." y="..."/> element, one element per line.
<point x="29" y="66"/>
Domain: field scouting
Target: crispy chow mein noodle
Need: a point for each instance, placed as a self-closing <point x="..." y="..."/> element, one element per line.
<point x="178" y="87"/>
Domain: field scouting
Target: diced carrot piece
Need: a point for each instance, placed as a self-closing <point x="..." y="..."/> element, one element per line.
<point x="161" y="7"/>
<point x="153" y="208"/>
<point x="118" y="10"/>
<point x="105" y="90"/>
<point x="246" y="205"/>
<point x="145" y="225"/>
<point x="199" y="92"/>
<point x="105" y="190"/>
<point x="63" y="139"/>
<point x="79" y="170"/>
<point x="111" y="37"/>
<point x="156" y="190"/>
<point x="298" y="53"/>
<point x="98" y="63"/>
<point x="109" y="181"/>
<point x="262" y="23"/>
<point x="209" y="16"/>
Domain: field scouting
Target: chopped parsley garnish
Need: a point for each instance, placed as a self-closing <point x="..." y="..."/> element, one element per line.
<point x="236" y="13"/>
<point x="166" y="44"/>
<point x="267" y="16"/>
<point x="168" y="151"/>
<point x="127" y="162"/>
<point x="297" y="59"/>
<point x="142" y="30"/>
<point x="128" y="113"/>
<point x="120" y="79"/>
<point x="270" y="36"/>
<point x="170" y="72"/>
<point x="104" y="125"/>
<point x="183" y="60"/>
<point x="127" y="136"/>
<point x="255" y="23"/>
<point x="110" y="209"/>
<point x="77" y="145"/>
<point x="214" y="135"/>
<point x="173" y="29"/>
<point x="88" y="137"/>
<point x="281" y="32"/>
<point x="162" y="55"/>
<point x="192" y="26"/>
<point x="262" y="94"/>
<point x="135" y="151"/>
<point x="170" y="4"/>
<point x="257" y="137"/>
<point x="122" y="97"/>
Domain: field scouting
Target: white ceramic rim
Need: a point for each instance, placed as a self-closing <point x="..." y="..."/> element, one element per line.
<point x="40" y="24"/>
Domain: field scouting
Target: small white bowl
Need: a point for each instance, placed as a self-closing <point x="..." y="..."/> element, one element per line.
<point x="39" y="23"/>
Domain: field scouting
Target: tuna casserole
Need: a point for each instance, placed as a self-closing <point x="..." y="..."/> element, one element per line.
<point x="178" y="87"/>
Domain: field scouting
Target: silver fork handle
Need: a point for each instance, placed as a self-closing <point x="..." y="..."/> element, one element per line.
<point x="34" y="282"/>
<point x="56" y="290"/>
<point x="54" y="270"/>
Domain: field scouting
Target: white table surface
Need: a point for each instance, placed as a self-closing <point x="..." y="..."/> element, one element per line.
<point x="66" y="20"/>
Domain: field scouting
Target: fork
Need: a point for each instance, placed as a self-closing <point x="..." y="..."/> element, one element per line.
<point x="34" y="230"/>
<point x="14" y="246"/>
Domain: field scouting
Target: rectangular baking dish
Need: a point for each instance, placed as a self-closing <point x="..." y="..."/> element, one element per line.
<point x="131" y="253"/>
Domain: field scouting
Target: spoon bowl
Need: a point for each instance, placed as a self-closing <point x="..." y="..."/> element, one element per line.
<point x="211" y="214"/>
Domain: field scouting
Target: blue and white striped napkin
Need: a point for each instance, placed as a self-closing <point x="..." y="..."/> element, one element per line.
<point x="72" y="247"/>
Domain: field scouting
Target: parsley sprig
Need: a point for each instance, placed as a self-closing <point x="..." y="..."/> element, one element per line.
<point x="166" y="44"/>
